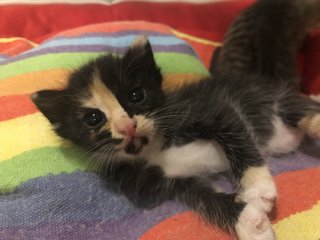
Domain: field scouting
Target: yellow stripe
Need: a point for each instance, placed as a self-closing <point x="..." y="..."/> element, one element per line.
<point x="196" y="39"/>
<point x="301" y="226"/>
<point x="25" y="133"/>
<point x="12" y="39"/>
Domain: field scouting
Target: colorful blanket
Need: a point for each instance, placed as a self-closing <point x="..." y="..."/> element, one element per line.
<point x="48" y="189"/>
<point x="37" y="20"/>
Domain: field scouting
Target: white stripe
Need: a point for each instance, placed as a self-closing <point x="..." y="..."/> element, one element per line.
<point x="110" y="2"/>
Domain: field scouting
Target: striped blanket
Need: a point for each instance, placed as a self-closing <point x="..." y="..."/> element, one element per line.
<point x="48" y="190"/>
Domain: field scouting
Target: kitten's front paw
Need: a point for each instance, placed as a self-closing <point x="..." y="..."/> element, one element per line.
<point x="253" y="224"/>
<point x="262" y="195"/>
<point x="311" y="125"/>
<point x="258" y="189"/>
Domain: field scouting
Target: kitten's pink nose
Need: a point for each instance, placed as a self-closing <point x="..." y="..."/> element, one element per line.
<point x="126" y="127"/>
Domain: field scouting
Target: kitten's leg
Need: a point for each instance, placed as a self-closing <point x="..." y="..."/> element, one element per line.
<point x="248" y="167"/>
<point x="301" y="112"/>
<point x="246" y="220"/>
<point x="142" y="183"/>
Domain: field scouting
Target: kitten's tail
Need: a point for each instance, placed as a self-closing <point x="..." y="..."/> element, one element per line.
<point x="301" y="16"/>
<point x="265" y="37"/>
<point x="310" y="12"/>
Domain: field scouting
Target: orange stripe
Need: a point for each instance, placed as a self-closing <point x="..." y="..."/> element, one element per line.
<point x="116" y="27"/>
<point x="15" y="106"/>
<point x="57" y="78"/>
<point x="176" y="81"/>
<point x="298" y="191"/>
<point x="186" y="226"/>
<point x="34" y="81"/>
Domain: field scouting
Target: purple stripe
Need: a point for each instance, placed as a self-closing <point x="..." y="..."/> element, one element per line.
<point x="3" y="56"/>
<point x="292" y="162"/>
<point x="127" y="228"/>
<point x="68" y="198"/>
<point x="179" y="48"/>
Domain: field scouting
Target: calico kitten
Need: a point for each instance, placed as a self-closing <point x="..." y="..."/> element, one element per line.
<point x="167" y="146"/>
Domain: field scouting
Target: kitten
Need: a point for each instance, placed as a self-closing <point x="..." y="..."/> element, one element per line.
<point x="167" y="146"/>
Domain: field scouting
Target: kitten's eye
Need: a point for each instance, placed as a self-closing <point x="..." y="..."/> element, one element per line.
<point x="94" y="118"/>
<point x="137" y="95"/>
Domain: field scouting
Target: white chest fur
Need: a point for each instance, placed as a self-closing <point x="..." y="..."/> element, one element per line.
<point x="191" y="159"/>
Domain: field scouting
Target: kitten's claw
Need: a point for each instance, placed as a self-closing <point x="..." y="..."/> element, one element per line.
<point x="253" y="224"/>
<point x="311" y="125"/>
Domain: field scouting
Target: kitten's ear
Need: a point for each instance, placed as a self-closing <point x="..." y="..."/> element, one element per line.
<point x="140" y="51"/>
<point x="51" y="103"/>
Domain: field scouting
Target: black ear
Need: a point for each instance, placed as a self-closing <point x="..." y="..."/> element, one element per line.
<point x="140" y="52"/>
<point x="51" y="103"/>
<point x="214" y="60"/>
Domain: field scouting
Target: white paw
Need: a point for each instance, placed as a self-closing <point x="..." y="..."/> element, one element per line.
<point x="253" y="224"/>
<point x="311" y="125"/>
<point x="315" y="98"/>
<point x="261" y="194"/>
<point x="258" y="188"/>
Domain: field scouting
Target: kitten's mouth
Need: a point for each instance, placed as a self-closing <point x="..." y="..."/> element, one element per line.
<point x="135" y="145"/>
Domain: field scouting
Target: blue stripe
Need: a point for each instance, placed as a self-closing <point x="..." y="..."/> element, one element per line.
<point x="123" y="41"/>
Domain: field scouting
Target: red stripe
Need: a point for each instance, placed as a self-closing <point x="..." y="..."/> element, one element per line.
<point x="187" y="226"/>
<point x="4" y="46"/>
<point x="204" y="51"/>
<point x="16" y="106"/>
<point x="15" y="47"/>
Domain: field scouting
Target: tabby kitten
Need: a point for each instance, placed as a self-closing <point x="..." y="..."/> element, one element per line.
<point x="168" y="146"/>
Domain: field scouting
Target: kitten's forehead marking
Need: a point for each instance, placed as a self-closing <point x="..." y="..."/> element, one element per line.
<point x="101" y="97"/>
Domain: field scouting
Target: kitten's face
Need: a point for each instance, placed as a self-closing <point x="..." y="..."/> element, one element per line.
<point x="108" y="104"/>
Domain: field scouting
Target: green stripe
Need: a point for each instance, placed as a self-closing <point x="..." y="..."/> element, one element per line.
<point x="169" y="63"/>
<point x="38" y="163"/>
<point x="180" y="63"/>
